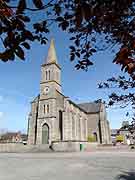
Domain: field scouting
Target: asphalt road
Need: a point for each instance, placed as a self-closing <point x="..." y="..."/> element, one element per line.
<point x="66" y="166"/>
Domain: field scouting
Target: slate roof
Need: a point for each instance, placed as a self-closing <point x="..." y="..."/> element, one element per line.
<point x="90" y="107"/>
<point x="76" y="105"/>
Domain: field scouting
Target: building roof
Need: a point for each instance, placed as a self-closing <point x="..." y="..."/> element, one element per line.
<point x="90" y="107"/>
<point x="36" y="99"/>
<point x="51" y="57"/>
<point x="61" y="94"/>
<point x="76" y="105"/>
<point x="9" y="135"/>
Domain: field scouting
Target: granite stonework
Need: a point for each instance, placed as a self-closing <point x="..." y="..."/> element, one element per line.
<point x="55" y="118"/>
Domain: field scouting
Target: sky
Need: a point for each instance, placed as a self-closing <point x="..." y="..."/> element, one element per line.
<point x="19" y="82"/>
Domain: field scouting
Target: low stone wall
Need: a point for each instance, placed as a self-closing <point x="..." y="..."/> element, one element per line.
<point x="113" y="148"/>
<point x="90" y="146"/>
<point x="13" y="147"/>
<point x="69" y="146"/>
<point x="56" y="146"/>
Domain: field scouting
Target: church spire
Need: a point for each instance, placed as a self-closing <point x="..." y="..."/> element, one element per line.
<point x="51" y="57"/>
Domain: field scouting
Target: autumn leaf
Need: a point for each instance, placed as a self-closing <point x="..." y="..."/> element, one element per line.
<point x="20" y="53"/>
<point x="38" y="3"/>
<point x="78" y="16"/>
<point x="21" y="7"/>
<point x="26" y="45"/>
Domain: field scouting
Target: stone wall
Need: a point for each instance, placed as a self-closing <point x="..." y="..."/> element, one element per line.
<point x="32" y="122"/>
<point x="93" y="120"/>
<point x="75" y="122"/>
<point x="20" y="148"/>
<point x="12" y="147"/>
<point x="69" y="146"/>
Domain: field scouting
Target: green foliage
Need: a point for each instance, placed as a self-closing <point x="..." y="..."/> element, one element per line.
<point x="123" y="96"/>
<point x="91" y="138"/>
<point x="92" y="25"/>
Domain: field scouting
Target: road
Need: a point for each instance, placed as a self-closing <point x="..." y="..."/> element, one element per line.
<point x="66" y="166"/>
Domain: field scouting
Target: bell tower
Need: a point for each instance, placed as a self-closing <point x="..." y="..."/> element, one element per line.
<point x="50" y="74"/>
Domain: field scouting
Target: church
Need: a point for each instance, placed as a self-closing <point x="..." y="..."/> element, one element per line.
<point x="58" y="121"/>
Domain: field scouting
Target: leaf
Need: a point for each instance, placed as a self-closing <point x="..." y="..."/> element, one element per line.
<point x="6" y="41"/>
<point x="77" y="54"/>
<point x="77" y="66"/>
<point x="127" y="114"/>
<point x="93" y="50"/>
<point x="72" y="38"/>
<point x="111" y="103"/>
<point x="26" y="45"/>
<point x="38" y="3"/>
<point x="7" y="55"/>
<point x="83" y="51"/>
<point x="64" y="25"/>
<point x="77" y="42"/>
<point x="72" y="57"/>
<point x="11" y="55"/>
<point x="89" y="63"/>
<point x="19" y="52"/>
<point x="72" y="48"/>
<point x="21" y="7"/>
<point x="37" y="38"/>
<point x="28" y="35"/>
<point x="60" y="19"/>
<point x="57" y="9"/>
<point x="43" y="41"/>
<point x="68" y="16"/>
<point x="24" y="18"/>
<point x="19" y="24"/>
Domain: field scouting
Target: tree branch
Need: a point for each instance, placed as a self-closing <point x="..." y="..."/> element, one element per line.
<point x="31" y="9"/>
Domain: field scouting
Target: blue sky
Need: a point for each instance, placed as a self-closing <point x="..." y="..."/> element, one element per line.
<point x="20" y="82"/>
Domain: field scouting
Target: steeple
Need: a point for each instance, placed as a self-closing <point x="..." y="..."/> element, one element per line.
<point x="50" y="73"/>
<point x="51" y="57"/>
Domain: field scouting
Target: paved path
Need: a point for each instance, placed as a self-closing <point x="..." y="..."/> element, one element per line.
<point x="66" y="166"/>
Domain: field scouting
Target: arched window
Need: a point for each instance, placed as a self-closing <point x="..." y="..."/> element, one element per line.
<point x="79" y="127"/>
<point x="47" y="108"/>
<point x="85" y="128"/>
<point x="45" y="134"/>
<point x="61" y="125"/>
<point x="46" y="73"/>
<point x="44" y="109"/>
<point x="73" y="127"/>
<point x="49" y="74"/>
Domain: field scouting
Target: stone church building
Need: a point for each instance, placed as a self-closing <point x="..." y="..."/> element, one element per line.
<point x="56" y="120"/>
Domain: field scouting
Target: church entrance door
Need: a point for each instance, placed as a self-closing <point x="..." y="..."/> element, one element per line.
<point x="45" y="134"/>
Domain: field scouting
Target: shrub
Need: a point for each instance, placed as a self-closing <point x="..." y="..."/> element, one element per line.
<point x="91" y="138"/>
<point x="119" y="138"/>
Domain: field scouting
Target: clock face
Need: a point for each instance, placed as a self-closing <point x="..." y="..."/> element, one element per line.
<point x="46" y="90"/>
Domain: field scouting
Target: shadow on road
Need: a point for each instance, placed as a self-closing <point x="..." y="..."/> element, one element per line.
<point x="126" y="176"/>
